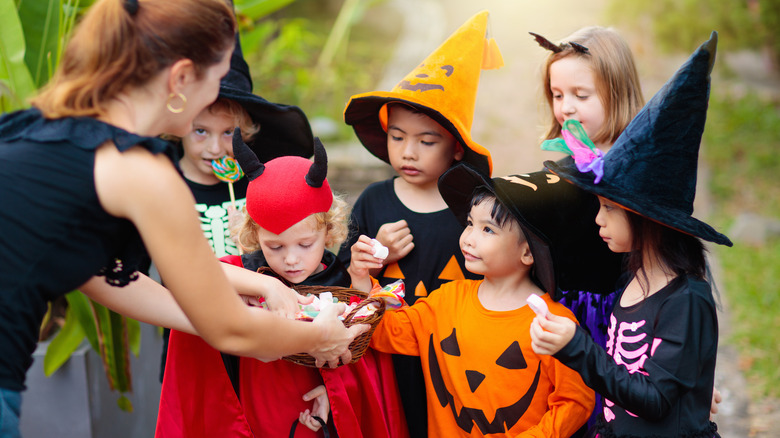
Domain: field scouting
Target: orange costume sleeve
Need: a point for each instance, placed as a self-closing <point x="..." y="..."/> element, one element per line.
<point x="481" y="375"/>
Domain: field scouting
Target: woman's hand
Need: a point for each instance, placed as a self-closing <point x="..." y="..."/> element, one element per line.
<point x="361" y="264"/>
<point x="397" y="237"/>
<point x="335" y="337"/>
<point x="549" y="335"/>
<point x="320" y="408"/>
<point x="282" y="300"/>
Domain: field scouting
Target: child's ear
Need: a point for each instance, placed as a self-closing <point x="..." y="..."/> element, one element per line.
<point x="526" y="256"/>
<point x="459" y="151"/>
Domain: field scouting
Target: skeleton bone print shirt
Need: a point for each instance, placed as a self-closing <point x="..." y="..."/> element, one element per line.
<point x="211" y="203"/>
<point x="658" y="370"/>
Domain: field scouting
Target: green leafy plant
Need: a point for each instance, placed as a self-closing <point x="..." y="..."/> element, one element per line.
<point x="304" y="55"/>
<point x="110" y="334"/>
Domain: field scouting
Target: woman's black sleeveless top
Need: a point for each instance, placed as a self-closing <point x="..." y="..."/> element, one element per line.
<point x="54" y="234"/>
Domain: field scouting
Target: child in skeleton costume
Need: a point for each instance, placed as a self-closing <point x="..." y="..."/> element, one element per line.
<point x="421" y="127"/>
<point x="270" y="129"/>
<point x="291" y="218"/>
<point x="657" y="373"/>
<point x="481" y="375"/>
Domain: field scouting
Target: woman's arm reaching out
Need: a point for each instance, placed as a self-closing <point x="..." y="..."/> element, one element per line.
<point x="146" y="189"/>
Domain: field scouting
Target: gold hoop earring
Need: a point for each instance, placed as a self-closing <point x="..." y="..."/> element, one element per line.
<point x="183" y="103"/>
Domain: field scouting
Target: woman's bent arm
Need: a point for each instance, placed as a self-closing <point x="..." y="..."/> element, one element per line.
<point x="146" y="189"/>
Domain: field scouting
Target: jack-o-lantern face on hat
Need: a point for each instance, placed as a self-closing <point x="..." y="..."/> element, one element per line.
<point x="443" y="87"/>
<point x="427" y="78"/>
<point x="509" y="364"/>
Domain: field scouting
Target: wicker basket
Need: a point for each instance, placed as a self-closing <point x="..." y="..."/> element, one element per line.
<point x="360" y="343"/>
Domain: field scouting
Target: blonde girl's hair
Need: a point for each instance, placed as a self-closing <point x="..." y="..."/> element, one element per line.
<point x="112" y="50"/>
<point x="617" y="81"/>
<point x="335" y="222"/>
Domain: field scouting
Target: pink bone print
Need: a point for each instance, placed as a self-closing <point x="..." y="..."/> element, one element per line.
<point x="619" y="353"/>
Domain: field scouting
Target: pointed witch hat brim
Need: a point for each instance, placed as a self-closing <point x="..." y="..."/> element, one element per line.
<point x="556" y="221"/>
<point x="443" y="87"/>
<point x="651" y="169"/>
<point x="284" y="129"/>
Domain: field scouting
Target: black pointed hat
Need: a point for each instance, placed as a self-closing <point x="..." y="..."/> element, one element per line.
<point x="556" y="219"/>
<point x="284" y="129"/>
<point x="651" y="168"/>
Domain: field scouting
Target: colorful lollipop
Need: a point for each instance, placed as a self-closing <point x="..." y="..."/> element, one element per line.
<point x="227" y="169"/>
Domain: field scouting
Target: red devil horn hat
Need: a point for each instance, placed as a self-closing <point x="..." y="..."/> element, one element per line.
<point x="285" y="190"/>
<point x="319" y="169"/>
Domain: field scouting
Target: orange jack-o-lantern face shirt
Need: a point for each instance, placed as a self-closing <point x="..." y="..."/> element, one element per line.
<point x="481" y="375"/>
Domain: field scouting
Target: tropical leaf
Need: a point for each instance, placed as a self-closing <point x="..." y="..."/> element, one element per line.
<point x="80" y="305"/>
<point x="41" y="20"/>
<point x="62" y="346"/>
<point x="113" y="341"/>
<point x="18" y="84"/>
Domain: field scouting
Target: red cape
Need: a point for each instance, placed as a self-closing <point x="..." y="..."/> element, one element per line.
<point x="198" y="399"/>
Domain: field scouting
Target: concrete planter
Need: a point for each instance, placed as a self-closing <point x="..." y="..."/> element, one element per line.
<point x="76" y="401"/>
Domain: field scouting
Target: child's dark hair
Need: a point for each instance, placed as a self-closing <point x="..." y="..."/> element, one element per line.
<point x="679" y="253"/>
<point x="499" y="213"/>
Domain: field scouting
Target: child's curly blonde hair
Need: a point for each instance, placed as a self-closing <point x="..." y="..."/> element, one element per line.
<point x="334" y="220"/>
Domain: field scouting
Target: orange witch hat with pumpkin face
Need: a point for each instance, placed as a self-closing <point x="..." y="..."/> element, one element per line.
<point x="443" y="87"/>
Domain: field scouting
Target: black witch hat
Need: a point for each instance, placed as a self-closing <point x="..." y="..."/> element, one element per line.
<point x="553" y="214"/>
<point x="651" y="169"/>
<point x="284" y="129"/>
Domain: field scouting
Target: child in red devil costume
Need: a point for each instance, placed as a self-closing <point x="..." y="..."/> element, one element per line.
<point x="291" y="218"/>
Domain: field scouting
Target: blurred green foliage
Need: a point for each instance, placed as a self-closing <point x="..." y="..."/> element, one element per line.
<point x="740" y="146"/>
<point x="742" y="24"/>
<point x="284" y="54"/>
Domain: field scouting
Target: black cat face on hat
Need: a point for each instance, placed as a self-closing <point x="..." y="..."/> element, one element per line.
<point x="284" y="129"/>
<point x="554" y="216"/>
<point x="651" y="168"/>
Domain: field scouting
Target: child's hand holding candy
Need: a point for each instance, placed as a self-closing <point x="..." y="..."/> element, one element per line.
<point x="363" y="261"/>
<point x="397" y="237"/>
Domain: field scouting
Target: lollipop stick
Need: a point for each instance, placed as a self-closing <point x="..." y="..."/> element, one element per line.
<point x="233" y="203"/>
<point x="232" y="195"/>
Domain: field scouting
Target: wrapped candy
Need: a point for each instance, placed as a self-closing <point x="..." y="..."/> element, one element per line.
<point x="393" y="294"/>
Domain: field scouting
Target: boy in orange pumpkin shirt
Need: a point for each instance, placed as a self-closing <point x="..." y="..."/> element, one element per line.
<point x="481" y="374"/>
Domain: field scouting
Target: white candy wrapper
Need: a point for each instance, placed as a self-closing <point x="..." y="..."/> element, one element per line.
<point x="380" y="251"/>
<point x="537" y="304"/>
